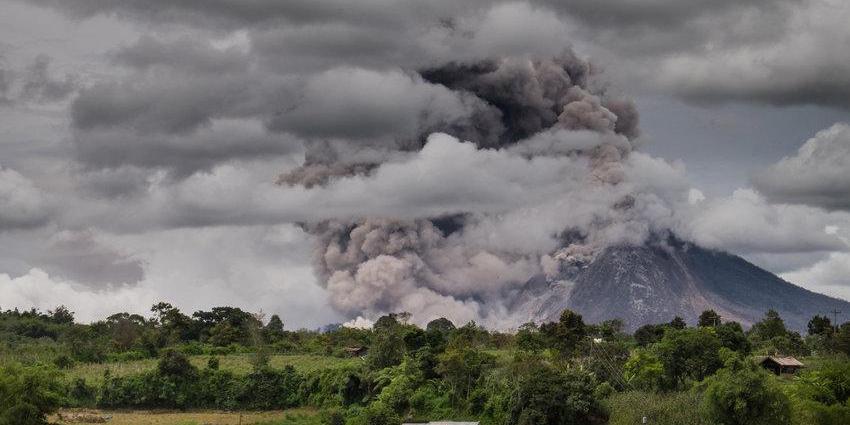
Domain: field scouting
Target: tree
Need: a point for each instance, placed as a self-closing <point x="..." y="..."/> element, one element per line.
<point x="841" y="340"/>
<point x="440" y="325"/>
<point x="175" y="363"/>
<point x="732" y="336"/>
<point x="27" y="395"/>
<point x="549" y="396"/>
<point x="678" y="323"/>
<point x="649" y="334"/>
<point x="643" y="370"/>
<point x="462" y="367"/>
<point x="61" y="315"/>
<point x="820" y="325"/>
<point x="566" y="334"/>
<point x="709" y="318"/>
<point x="387" y="322"/>
<point x="769" y="327"/>
<point x="691" y="353"/>
<point x="387" y="349"/>
<point x="275" y="326"/>
<point x="742" y="394"/>
<point x="529" y="338"/>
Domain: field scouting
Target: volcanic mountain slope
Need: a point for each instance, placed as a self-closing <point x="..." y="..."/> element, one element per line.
<point x="653" y="284"/>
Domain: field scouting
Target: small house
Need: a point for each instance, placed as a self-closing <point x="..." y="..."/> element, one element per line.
<point x="779" y="364"/>
<point x="441" y="423"/>
<point x="356" y="351"/>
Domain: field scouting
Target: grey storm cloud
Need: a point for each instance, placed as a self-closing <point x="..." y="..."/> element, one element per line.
<point x="818" y="175"/>
<point x="438" y="154"/>
<point x="40" y="85"/>
<point x="185" y="54"/>
<point x="22" y="203"/>
<point x="81" y="257"/>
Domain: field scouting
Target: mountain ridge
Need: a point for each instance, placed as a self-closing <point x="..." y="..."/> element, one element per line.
<point x="655" y="282"/>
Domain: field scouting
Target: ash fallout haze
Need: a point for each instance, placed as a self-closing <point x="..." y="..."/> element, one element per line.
<point x="333" y="161"/>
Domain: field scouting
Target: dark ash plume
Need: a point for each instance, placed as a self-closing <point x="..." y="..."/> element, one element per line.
<point x="446" y="266"/>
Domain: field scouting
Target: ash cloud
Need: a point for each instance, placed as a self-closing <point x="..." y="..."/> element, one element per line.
<point x="540" y="110"/>
<point x="440" y="153"/>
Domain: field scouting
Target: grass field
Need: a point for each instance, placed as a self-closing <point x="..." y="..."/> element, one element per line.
<point x="238" y="363"/>
<point x="138" y="417"/>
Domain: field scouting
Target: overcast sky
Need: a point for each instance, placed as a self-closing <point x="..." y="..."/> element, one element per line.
<point x="141" y="141"/>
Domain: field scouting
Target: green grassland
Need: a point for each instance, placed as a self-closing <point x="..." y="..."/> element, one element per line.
<point x="155" y="417"/>
<point x="239" y="364"/>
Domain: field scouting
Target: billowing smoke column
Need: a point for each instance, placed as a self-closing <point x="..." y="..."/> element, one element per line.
<point x="474" y="265"/>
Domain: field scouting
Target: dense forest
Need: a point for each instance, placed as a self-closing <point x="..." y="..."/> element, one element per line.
<point x="564" y="372"/>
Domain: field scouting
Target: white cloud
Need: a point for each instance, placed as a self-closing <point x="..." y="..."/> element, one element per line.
<point x="830" y="276"/>
<point x="37" y="289"/>
<point x="22" y="204"/>
<point x="747" y="223"/>
<point x="818" y="175"/>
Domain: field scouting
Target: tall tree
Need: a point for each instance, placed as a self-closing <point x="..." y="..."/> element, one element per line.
<point x="709" y="318"/>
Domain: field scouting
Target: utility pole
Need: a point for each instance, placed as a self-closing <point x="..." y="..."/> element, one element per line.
<point x="835" y="314"/>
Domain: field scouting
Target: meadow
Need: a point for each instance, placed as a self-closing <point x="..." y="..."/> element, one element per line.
<point x="299" y="416"/>
<point x="239" y="364"/>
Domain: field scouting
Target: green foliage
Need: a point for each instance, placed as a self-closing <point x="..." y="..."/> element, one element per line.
<point x="271" y="389"/>
<point x="841" y="340"/>
<point x="649" y="334"/>
<point x="687" y="354"/>
<point x="175" y="363"/>
<point x="566" y="334"/>
<point x="820" y="325"/>
<point x="440" y="325"/>
<point x="708" y="318"/>
<point x="387" y="350"/>
<point x="732" y="336"/>
<point x="678" y="323"/>
<point x="461" y="368"/>
<point x="529" y="338"/>
<point x="27" y="395"/>
<point x="742" y="393"/>
<point x="549" y="396"/>
<point x="674" y="408"/>
<point x="643" y="370"/>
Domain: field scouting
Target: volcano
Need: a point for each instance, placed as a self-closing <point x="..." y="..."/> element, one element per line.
<point x="656" y="282"/>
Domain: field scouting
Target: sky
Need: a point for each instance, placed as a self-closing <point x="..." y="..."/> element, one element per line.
<point x="215" y="152"/>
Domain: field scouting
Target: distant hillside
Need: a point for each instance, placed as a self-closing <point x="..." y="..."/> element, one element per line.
<point x="652" y="284"/>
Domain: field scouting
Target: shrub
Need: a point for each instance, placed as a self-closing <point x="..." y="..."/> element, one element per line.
<point x="643" y="370"/>
<point x="213" y="363"/>
<point x="271" y="389"/>
<point x="63" y="361"/>
<point x="28" y="395"/>
<point x="742" y="394"/>
<point x="548" y="396"/>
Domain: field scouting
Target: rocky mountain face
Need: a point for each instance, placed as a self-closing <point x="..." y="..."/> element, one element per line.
<point x="656" y="282"/>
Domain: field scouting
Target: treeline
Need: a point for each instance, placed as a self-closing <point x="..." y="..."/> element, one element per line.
<point x="564" y="372"/>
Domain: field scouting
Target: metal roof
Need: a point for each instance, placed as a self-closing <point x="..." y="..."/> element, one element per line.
<point x="782" y="361"/>
<point x="442" y="423"/>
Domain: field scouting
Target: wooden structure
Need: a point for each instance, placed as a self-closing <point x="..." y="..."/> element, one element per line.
<point x="441" y="423"/>
<point x="356" y="351"/>
<point x="780" y="364"/>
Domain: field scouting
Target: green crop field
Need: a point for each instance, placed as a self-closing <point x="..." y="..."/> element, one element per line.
<point x="239" y="364"/>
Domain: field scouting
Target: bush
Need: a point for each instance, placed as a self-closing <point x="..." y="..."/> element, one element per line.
<point x="271" y="389"/>
<point x="175" y="363"/>
<point x="63" y="361"/>
<point x="547" y="396"/>
<point x="28" y="395"/>
<point x="742" y="393"/>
